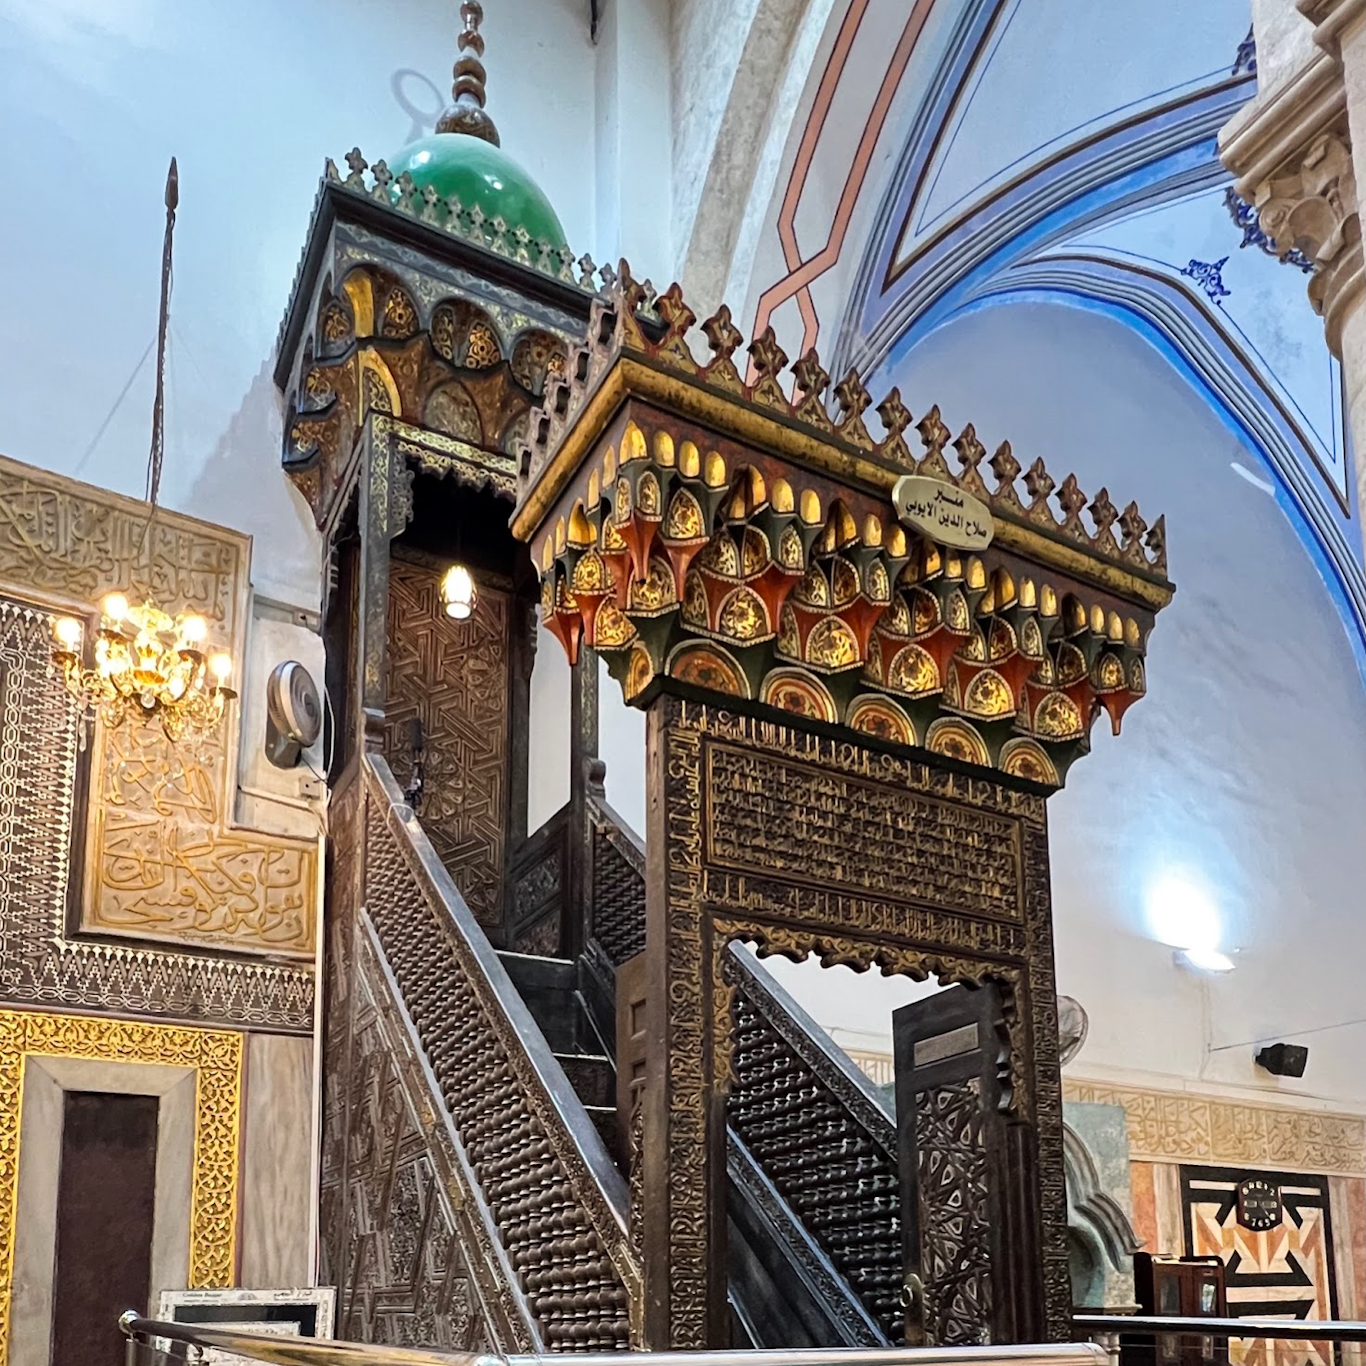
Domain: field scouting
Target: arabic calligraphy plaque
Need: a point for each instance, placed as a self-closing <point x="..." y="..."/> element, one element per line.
<point x="947" y="515"/>
<point x="865" y="836"/>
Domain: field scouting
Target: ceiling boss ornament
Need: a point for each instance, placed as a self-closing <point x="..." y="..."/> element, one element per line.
<point x="148" y="662"/>
<point x="717" y="531"/>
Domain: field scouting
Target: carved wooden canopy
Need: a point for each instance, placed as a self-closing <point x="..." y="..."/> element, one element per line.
<point x="703" y="529"/>
<point x="422" y="312"/>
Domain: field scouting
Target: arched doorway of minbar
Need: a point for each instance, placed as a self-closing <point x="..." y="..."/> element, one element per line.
<point x="457" y="684"/>
<point x="919" y="1208"/>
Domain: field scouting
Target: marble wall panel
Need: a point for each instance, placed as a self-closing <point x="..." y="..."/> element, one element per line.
<point x="277" y="1163"/>
<point x="46" y="1079"/>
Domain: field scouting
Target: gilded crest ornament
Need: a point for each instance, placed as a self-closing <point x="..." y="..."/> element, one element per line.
<point x="796" y="536"/>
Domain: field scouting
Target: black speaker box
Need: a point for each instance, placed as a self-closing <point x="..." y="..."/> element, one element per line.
<point x="1284" y="1059"/>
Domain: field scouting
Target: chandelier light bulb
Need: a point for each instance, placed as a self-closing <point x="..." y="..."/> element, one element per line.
<point x="148" y="663"/>
<point x="458" y="592"/>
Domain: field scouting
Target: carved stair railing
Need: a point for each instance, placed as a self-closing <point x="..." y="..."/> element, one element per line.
<point x="545" y="1184"/>
<point x="812" y="1149"/>
<point x="811" y="1124"/>
<point x="616" y="881"/>
<point x="539" y="879"/>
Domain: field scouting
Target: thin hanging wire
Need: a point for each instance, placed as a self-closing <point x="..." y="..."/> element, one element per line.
<point x="109" y="416"/>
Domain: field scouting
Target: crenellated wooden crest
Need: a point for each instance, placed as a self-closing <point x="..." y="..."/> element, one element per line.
<point x="722" y="534"/>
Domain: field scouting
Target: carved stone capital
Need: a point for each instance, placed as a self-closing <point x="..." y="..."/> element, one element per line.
<point x="1291" y="149"/>
<point x="1312" y="205"/>
<point x="1331" y="19"/>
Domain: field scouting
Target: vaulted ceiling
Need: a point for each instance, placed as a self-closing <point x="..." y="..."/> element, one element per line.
<point x="956" y="154"/>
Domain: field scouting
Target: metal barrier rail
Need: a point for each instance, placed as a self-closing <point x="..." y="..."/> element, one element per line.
<point x="1292" y="1330"/>
<point x="1107" y="1330"/>
<point x="189" y="1341"/>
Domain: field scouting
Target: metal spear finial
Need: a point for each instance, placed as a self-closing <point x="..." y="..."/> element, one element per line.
<point x="467" y="113"/>
<point x="154" y="457"/>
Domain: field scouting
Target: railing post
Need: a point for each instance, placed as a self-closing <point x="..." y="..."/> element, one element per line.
<point x="577" y="910"/>
<point x="386" y="505"/>
<point x="1110" y="1343"/>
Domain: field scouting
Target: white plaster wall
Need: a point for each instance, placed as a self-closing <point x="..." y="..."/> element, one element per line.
<point x="731" y="98"/>
<point x="631" y="138"/>
<point x="548" y="743"/>
<point x="1041" y="90"/>
<point x="1244" y="770"/>
<point x="621" y="745"/>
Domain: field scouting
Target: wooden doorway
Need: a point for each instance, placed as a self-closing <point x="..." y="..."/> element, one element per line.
<point x="970" y="1227"/>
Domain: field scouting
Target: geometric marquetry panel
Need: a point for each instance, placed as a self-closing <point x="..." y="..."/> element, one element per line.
<point x="955" y="1206"/>
<point x="454" y="678"/>
<point x="1285" y="1271"/>
<point x="407" y="1282"/>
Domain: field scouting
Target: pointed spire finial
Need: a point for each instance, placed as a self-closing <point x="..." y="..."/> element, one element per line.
<point x="467" y="114"/>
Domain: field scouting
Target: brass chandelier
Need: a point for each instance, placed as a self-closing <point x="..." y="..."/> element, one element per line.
<point x="148" y="662"/>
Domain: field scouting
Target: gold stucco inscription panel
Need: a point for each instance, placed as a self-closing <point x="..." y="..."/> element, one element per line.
<point x="164" y="860"/>
<point x="869" y="837"/>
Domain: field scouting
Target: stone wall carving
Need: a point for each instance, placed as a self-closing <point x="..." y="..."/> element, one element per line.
<point x="160" y="856"/>
<point x="167" y="865"/>
<point x="1171" y="1126"/>
<point x="1311" y="206"/>
<point x="216" y="1057"/>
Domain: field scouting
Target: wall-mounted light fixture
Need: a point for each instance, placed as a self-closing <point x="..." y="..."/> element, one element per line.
<point x="1182" y="913"/>
<point x="459" y="593"/>
<point x="1204" y="959"/>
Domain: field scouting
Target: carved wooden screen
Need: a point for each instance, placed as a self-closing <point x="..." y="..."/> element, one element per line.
<point x="802" y="844"/>
<point x="454" y="678"/>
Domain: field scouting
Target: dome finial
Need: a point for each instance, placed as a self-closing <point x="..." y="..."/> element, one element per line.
<point x="467" y="114"/>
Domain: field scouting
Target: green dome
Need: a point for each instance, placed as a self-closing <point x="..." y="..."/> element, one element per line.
<point x="477" y="172"/>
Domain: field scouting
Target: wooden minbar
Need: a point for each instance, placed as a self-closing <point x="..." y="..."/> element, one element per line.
<point x="864" y="669"/>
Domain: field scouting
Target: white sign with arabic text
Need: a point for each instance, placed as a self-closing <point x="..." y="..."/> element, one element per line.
<point x="947" y="515"/>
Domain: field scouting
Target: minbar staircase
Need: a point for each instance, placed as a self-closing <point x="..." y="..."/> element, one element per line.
<point x="492" y="1075"/>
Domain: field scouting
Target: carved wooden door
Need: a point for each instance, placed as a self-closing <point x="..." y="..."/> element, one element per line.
<point x="452" y="679"/>
<point x="970" y="1237"/>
